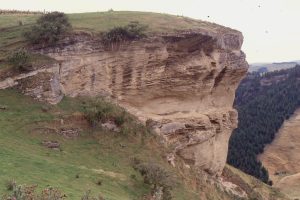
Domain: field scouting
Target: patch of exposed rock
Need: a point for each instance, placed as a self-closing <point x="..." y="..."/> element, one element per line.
<point x="51" y="144"/>
<point x="184" y="84"/>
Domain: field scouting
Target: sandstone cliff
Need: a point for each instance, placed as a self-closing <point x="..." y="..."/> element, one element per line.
<point x="181" y="84"/>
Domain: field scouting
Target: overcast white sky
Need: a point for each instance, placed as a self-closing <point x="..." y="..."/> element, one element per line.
<point x="271" y="28"/>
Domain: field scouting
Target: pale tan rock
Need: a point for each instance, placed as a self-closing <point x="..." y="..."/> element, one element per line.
<point x="185" y="83"/>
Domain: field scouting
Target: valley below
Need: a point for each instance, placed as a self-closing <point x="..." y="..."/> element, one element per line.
<point x="281" y="157"/>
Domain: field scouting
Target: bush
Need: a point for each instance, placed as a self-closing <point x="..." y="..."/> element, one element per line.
<point x="156" y="176"/>
<point x="130" y="32"/>
<point x="49" y="29"/>
<point x="99" y="110"/>
<point x="20" y="60"/>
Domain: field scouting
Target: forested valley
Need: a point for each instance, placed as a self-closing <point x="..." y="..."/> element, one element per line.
<point x="263" y="102"/>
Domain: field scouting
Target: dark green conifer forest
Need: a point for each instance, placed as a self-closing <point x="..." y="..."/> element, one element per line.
<point x="263" y="102"/>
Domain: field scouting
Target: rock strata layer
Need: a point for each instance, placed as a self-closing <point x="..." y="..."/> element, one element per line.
<point x="182" y="85"/>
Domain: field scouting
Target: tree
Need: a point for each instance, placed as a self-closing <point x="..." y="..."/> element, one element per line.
<point x="49" y="29"/>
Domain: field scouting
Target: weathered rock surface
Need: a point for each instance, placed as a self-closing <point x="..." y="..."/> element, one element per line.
<point x="182" y="84"/>
<point x="51" y="144"/>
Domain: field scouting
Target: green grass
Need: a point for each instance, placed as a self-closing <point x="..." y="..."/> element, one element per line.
<point x="93" y="156"/>
<point x="156" y="22"/>
<point x="103" y="21"/>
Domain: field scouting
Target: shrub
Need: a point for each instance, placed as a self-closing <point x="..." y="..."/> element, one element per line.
<point x="99" y="110"/>
<point x="130" y="32"/>
<point x="20" y="60"/>
<point x="156" y="176"/>
<point x="49" y="29"/>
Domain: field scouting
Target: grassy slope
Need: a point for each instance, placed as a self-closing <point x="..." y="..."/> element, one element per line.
<point x="103" y="21"/>
<point x="93" y="156"/>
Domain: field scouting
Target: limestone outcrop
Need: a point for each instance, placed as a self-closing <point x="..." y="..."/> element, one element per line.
<point x="181" y="84"/>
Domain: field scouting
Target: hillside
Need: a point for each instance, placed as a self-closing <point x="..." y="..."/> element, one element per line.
<point x="83" y="159"/>
<point x="281" y="157"/>
<point x="101" y="109"/>
<point x="91" y="156"/>
<point x="263" y="103"/>
<point x="269" y="67"/>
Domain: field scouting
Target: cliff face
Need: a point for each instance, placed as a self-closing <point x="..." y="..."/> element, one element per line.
<point x="182" y="85"/>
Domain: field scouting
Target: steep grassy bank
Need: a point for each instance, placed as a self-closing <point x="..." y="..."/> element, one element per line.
<point x="82" y="161"/>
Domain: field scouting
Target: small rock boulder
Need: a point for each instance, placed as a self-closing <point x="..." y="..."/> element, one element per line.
<point x="69" y="132"/>
<point x="111" y="126"/>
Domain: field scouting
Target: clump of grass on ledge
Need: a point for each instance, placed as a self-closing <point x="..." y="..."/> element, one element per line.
<point x="132" y="31"/>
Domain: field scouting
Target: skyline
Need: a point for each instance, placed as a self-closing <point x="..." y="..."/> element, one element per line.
<point x="269" y="26"/>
